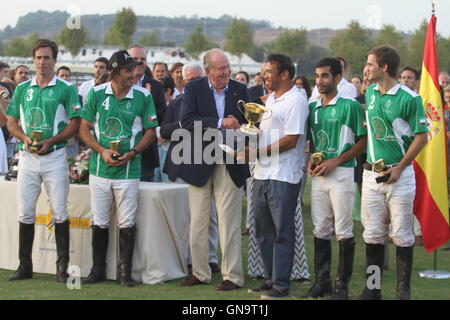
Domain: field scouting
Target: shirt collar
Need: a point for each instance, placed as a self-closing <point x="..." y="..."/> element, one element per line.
<point x="286" y="94"/>
<point x="392" y="91"/>
<point x="331" y="103"/>
<point x="52" y="82"/>
<point x="214" y="90"/>
<point x="110" y="91"/>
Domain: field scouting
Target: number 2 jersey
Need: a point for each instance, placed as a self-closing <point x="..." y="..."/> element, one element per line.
<point x="394" y="119"/>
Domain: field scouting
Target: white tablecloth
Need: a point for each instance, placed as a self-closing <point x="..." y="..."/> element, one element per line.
<point x="162" y="225"/>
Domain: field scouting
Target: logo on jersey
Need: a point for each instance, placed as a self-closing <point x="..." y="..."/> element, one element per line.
<point x="114" y="128"/>
<point x="50" y="93"/>
<point x="322" y="141"/>
<point x="152" y="118"/>
<point x="379" y="129"/>
<point x="36" y="118"/>
<point x="333" y="112"/>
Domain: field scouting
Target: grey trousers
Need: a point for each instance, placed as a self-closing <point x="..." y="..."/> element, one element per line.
<point x="275" y="205"/>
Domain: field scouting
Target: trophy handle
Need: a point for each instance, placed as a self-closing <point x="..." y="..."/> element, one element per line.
<point x="270" y="114"/>
<point x="239" y="103"/>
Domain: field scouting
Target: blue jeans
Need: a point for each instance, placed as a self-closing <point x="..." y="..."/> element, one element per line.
<point x="275" y="203"/>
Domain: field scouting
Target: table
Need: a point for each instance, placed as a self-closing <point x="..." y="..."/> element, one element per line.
<point x="162" y="235"/>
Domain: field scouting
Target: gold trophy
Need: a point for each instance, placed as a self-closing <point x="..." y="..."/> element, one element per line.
<point x="253" y="113"/>
<point x="317" y="158"/>
<point x="35" y="136"/>
<point x="114" y="146"/>
<point x="379" y="167"/>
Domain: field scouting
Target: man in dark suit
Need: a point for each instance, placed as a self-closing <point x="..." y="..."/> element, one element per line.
<point x="172" y="122"/>
<point x="150" y="156"/>
<point x="211" y="102"/>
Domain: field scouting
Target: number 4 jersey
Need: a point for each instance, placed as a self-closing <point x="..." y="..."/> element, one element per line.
<point x="394" y="119"/>
<point x="48" y="109"/>
<point x="122" y="120"/>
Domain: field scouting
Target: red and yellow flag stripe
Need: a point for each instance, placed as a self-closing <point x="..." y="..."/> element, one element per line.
<point x="431" y="202"/>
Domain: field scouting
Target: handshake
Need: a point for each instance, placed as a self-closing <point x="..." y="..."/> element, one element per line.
<point x="230" y="122"/>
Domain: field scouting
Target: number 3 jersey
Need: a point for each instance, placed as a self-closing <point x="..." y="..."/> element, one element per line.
<point x="123" y="121"/>
<point x="394" y="119"/>
<point x="48" y="109"/>
<point x="335" y="127"/>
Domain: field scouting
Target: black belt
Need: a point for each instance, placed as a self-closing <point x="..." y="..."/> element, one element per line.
<point x="51" y="150"/>
<point x="369" y="166"/>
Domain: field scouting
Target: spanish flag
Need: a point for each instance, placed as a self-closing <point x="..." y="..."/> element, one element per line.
<point x="431" y="202"/>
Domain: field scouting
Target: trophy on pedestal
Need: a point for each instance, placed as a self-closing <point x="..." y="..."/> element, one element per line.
<point x="114" y="146"/>
<point x="35" y="136"/>
<point x="253" y="113"/>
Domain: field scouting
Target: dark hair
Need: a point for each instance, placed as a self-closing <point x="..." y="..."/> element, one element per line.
<point x="63" y="68"/>
<point x="305" y="83"/>
<point x="102" y="59"/>
<point x="175" y="66"/>
<point x="387" y="55"/>
<point x="168" y="83"/>
<point x="104" y="77"/>
<point x="247" y="77"/>
<point x="44" y="43"/>
<point x="344" y="61"/>
<point x="333" y="63"/>
<point x="148" y="72"/>
<point x="284" y="64"/>
<point x="3" y="65"/>
<point x="416" y="73"/>
<point x="160" y="63"/>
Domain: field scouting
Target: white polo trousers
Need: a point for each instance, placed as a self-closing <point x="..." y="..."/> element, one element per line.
<point x="52" y="170"/>
<point x="332" y="196"/>
<point x="105" y="193"/>
<point x="383" y="203"/>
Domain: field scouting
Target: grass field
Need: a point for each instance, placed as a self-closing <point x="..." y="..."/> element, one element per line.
<point x="45" y="287"/>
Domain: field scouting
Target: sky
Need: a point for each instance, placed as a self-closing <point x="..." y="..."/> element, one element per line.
<point x="405" y="15"/>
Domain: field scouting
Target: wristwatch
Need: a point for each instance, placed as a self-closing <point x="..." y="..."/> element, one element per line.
<point x="135" y="151"/>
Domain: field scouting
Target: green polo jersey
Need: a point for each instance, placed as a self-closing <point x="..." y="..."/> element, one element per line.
<point x="48" y="109"/>
<point x="394" y="119"/>
<point x="334" y="128"/>
<point x="122" y="120"/>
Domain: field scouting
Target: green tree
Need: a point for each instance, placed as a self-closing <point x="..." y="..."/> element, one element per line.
<point x="415" y="47"/>
<point x="306" y="65"/>
<point x="150" y="39"/>
<point x="73" y="39"/>
<point x="197" y="42"/>
<point x="239" y="38"/>
<point x="21" y="46"/>
<point x="389" y="35"/>
<point x="443" y="51"/>
<point x="352" y="44"/>
<point x="292" y="43"/>
<point x="122" y="30"/>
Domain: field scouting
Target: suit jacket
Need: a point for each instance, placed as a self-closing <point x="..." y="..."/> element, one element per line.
<point x="171" y="123"/>
<point x="150" y="156"/>
<point x="199" y="105"/>
<point x="255" y="93"/>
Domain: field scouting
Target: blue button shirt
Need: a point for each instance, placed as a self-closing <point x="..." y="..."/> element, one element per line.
<point x="219" y="98"/>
